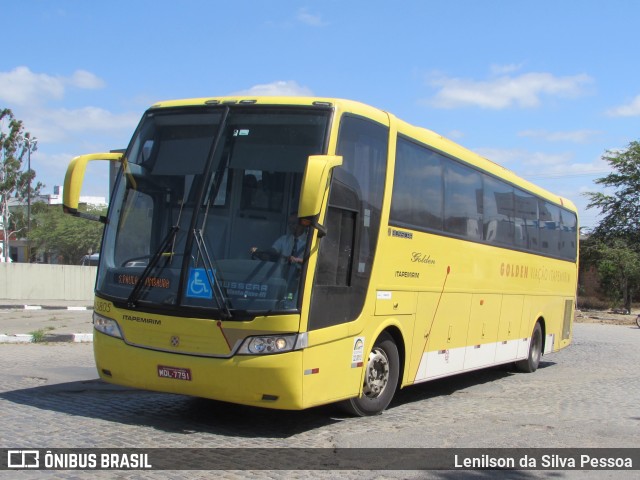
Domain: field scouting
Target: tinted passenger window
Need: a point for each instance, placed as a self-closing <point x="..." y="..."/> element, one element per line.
<point x="549" y="228"/>
<point x="568" y="235"/>
<point x="463" y="201"/>
<point x="437" y="193"/>
<point x="526" y="219"/>
<point x="498" y="212"/>
<point x="417" y="187"/>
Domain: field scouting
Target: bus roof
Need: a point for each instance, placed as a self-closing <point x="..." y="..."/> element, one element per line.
<point x="420" y="134"/>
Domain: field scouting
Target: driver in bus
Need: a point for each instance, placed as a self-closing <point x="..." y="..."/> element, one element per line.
<point x="289" y="248"/>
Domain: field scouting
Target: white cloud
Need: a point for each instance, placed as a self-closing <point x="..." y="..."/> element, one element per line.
<point x="277" y="88"/>
<point x="568" y="169"/>
<point x="58" y="125"/>
<point x="313" y="20"/>
<point x="511" y="157"/>
<point x="632" y="109"/>
<point x="455" y="134"/>
<point x="21" y="86"/>
<point x="33" y="98"/>
<point x="543" y="165"/>
<point x="505" y="69"/>
<point x="575" y="136"/>
<point x="302" y="16"/>
<point x="29" y="95"/>
<point x="524" y="91"/>
<point x="86" y="80"/>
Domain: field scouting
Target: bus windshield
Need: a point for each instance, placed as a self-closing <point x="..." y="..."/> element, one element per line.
<point x="204" y="212"/>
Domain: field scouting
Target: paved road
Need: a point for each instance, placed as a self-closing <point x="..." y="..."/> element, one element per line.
<point x="585" y="396"/>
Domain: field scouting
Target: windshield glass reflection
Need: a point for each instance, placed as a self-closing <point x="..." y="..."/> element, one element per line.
<point x="204" y="212"/>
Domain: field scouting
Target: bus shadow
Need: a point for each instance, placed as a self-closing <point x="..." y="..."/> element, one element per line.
<point x="169" y="413"/>
<point x="184" y="415"/>
<point x="449" y="385"/>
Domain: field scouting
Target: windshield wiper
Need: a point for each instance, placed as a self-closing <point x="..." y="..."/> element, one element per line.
<point x="214" y="281"/>
<point x="132" y="301"/>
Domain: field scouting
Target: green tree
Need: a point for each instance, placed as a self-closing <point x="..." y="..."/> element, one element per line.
<point x="618" y="266"/>
<point x="53" y="233"/>
<point x="620" y="209"/>
<point x="615" y="240"/>
<point x="15" y="146"/>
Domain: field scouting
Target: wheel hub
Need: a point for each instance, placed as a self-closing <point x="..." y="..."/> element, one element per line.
<point x="377" y="374"/>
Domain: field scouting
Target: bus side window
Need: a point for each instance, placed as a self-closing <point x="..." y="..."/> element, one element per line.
<point x="338" y="246"/>
<point x="498" y="209"/>
<point x="549" y="216"/>
<point x="568" y="236"/>
<point x="526" y="219"/>
<point x="463" y="201"/>
<point x="417" y="200"/>
<point x="353" y="223"/>
<point x="335" y="269"/>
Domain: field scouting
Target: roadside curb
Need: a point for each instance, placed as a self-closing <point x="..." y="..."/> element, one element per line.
<point x="41" y="336"/>
<point x="48" y="338"/>
<point x="42" y="307"/>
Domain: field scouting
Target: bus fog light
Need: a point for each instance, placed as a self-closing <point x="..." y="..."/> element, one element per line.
<point x="106" y="325"/>
<point x="269" y="344"/>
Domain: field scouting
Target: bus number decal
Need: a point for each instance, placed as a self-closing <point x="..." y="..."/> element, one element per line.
<point x="400" y="234"/>
<point x="101" y="306"/>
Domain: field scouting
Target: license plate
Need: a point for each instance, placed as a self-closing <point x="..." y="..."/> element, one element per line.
<point x="174" y="373"/>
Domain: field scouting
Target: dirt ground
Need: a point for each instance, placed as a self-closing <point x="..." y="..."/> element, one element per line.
<point x="606" y="317"/>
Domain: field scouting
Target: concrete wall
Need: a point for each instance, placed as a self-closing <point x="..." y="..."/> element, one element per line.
<point x="32" y="281"/>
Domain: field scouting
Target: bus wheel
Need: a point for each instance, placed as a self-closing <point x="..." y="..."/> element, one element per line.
<point x="380" y="379"/>
<point x="530" y="364"/>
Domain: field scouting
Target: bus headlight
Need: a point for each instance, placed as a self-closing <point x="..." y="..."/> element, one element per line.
<point x="106" y="325"/>
<point x="269" y="344"/>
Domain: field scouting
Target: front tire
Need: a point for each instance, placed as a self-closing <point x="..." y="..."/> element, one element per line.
<point x="380" y="379"/>
<point x="530" y="364"/>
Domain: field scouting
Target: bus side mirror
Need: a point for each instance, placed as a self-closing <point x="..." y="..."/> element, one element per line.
<point x="314" y="183"/>
<point x="74" y="178"/>
<point x="314" y="186"/>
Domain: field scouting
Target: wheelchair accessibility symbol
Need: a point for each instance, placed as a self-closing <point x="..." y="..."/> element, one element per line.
<point x="199" y="285"/>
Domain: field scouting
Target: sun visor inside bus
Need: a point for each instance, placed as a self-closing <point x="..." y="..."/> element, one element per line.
<point x="273" y="158"/>
<point x="181" y="157"/>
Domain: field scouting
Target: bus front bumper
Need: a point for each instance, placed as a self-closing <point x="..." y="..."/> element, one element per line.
<point x="270" y="381"/>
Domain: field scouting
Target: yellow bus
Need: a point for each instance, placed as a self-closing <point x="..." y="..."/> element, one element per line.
<point x="292" y="252"/>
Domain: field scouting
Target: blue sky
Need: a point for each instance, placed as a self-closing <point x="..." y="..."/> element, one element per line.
<point x="544" y="87"/>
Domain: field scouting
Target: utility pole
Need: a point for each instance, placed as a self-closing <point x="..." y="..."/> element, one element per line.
<point x="31" y="144"/>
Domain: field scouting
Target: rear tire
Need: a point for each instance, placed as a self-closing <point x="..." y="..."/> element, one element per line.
<point x="530" y="364"/>
<point x="380" y="379"/>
